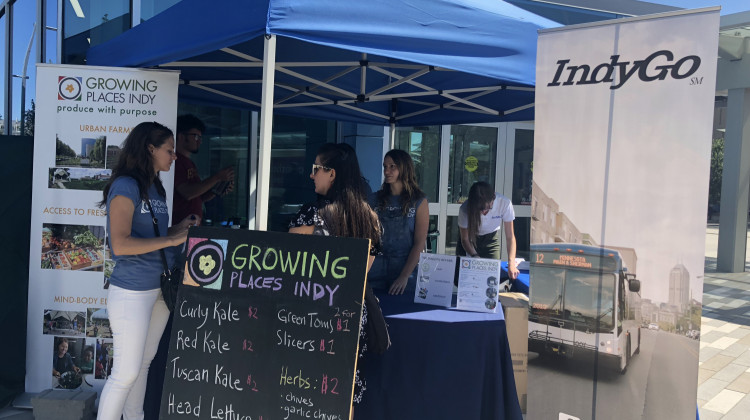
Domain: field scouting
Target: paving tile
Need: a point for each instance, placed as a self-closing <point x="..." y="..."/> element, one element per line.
<point x="721" y="291"/>
<point x="736" y="303"/>
<point x="710" y="415"/>
<point x="705" y="329"/>
<point x="711" y="322"/>
<point x="723" y="342"/>
<point x="739" y="411"/>
<point x="741" y="383"/>
<point x="730" y="372"/>
<point x="704" y="374"/>
<point x="716" y="305"/>
<point x="728" y="328"/>
<point x="717" y="362"/>
<point x="710" y="388"/>
<point x="745" y="341"/>
<point x="712" y="336"/>
<point x="743" y="359"/>
<point x="735" y="350"/>
<point x="724" y="401"/>
<point x="739" y="332"/>
<point x="709" y="352"/>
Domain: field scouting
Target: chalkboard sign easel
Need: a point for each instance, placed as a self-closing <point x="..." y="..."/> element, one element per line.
<point x="266" y="327"/>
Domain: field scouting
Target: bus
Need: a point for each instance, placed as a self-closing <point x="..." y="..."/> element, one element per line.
<point x="581" y="304"/>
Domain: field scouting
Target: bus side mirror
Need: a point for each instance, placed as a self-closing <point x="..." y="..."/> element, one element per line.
<point x="634" y="285"/>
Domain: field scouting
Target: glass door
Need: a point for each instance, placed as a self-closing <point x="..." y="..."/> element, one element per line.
<point x="449" y="159"/>
<point x="473" y="155"/>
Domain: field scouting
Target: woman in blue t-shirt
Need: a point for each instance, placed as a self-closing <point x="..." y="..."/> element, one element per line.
<point x="137" y="313"/>
<point x="404" y="214"/>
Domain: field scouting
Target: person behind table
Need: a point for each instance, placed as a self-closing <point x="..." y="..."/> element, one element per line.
<point x="87" y="362"/>
<point x="190" y="192"/>
<point x="137" y="312"/>
<point x="341" y="210"/>
<point x="61" y="361"/>
<point x="404" y="214"/>
<point x="480" y="219"/>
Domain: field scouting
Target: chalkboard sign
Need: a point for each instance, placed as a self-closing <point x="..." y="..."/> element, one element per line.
<point x="266" y="327"/>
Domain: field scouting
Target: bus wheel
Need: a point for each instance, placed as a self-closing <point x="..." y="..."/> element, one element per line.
<point x="627" y="358"/>
<point x="638" y="349"/>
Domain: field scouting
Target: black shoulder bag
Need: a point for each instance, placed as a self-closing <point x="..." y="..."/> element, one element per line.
<point x="377" y="329"/>
<point x="170" y="279"/>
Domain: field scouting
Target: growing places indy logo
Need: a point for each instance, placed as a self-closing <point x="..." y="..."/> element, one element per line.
<point x="69" y="88"/>
<point x="205" y="262"/>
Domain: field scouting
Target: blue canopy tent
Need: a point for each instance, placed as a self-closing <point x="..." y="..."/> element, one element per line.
<point x="415" y="62"/>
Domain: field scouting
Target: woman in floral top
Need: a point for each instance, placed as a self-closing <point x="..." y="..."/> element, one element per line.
<point x="341" y="210"/>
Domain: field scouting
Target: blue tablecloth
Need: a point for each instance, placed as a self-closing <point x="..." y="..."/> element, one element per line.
<point x="443" y="364"/>
<point x="521" y="284"/>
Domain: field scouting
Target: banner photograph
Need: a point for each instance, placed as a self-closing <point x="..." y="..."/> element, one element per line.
<point x="621" y="164"/>
<point x="83" y="114"/>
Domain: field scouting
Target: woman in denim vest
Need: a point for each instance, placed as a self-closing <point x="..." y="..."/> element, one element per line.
<point x="404" y="214"/>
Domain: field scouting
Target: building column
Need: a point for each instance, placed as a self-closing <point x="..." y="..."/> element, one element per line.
<point x="371" y="144"/>
<point x="735" y="184"/>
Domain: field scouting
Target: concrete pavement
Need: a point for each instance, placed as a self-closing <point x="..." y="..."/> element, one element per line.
<point x="724" y="361"/>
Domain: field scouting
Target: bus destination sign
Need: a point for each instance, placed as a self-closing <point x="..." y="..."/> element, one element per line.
<point x="575" y="260"/>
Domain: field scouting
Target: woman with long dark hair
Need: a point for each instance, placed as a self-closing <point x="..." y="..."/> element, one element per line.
<point x="480" y="219"/>
<point x="404" y="214"/>
<point x="137" y="312"/>
<point x="341" y="210"/>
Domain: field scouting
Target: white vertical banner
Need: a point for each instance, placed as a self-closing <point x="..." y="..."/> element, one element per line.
<point x="624" y="113"/>
<point x="83" y="115"/>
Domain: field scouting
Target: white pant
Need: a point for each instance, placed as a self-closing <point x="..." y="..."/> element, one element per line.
<point x="137" y="319"/>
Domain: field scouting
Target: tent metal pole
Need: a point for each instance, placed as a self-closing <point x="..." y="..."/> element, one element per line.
<point x="266" y="130"/>
<point x="392" y="136"/>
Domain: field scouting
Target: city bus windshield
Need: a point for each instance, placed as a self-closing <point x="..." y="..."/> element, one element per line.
<point x="574" y="296"/>
<point x="582" y="299"/>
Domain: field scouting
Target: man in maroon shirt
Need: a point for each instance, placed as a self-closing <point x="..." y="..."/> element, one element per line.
<point x="190" y="192"/>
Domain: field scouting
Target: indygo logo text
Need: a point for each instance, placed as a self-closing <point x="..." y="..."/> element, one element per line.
<point x="657" y="66"/>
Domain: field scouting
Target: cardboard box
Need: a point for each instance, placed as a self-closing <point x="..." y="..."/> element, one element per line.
<point x="516" y="310"/>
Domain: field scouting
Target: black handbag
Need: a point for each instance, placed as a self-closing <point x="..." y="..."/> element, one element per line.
<point x="170" y="279"/>
<point x="377" y="330"/>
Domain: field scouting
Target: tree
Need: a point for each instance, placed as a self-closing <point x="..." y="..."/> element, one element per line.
<point x="28" y="117"/>
<point x="717" y="164"/>
<point x="98" y="152"/>
<point x="64" y="150"/>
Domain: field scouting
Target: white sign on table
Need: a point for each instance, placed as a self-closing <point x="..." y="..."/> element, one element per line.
<point x="478" y="284"/>
<point x="435" y="279"/>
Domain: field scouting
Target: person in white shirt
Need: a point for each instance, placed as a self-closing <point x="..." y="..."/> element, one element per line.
<point x="480" y="219"/>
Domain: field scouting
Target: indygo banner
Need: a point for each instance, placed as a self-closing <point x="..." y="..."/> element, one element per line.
<point x="83" y="114"/>
<point x="624" y="114"/>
